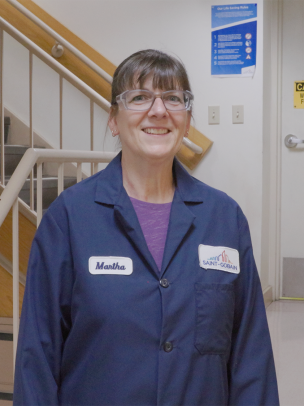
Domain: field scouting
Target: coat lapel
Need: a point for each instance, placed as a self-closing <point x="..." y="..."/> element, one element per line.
<point x="110" y="191"/>
<point x="125" y="214"/>
<point x="181" y="217"/>
<point x="181" y="220"/>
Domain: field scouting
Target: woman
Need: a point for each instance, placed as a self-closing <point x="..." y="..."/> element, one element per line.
<point x="142" y="287"/>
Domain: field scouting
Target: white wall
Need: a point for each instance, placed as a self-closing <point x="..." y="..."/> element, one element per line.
<point x="117" y="28"/>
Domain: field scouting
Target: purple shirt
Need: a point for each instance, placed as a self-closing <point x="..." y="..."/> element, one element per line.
<point x="154" y="221"/>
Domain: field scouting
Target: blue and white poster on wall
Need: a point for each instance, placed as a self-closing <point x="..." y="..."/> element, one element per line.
<point x="233" y="40"/>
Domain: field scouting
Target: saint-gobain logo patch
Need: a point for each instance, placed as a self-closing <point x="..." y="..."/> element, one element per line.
<point x="110" y="265"/>
<point x="220" y="258"/>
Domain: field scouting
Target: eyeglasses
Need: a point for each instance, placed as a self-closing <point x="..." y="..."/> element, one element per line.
<point x="142" y="100"/>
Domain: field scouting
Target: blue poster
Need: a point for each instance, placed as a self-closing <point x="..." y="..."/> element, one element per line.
<point x="233" y="40"/>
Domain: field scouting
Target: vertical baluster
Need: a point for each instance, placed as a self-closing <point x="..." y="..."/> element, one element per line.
<point x="31" y="126"/>
<point x="95" y="167"/>
<point x="60" y="166"/>
<point x="92" y="131"/>
<point x="15" y="277"/>
<point x="2" y="171"/>
<point x="60" y="178"/>
<point x="60" y="110"/>
<point x="79" y="172"/>
<point x="39" y="192"/>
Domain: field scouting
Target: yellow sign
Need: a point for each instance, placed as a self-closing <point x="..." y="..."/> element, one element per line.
<point x="298" y="95"/>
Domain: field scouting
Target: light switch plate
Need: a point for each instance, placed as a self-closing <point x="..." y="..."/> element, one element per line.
<point x="237" y="114"/>
<point x="213" y="114"/>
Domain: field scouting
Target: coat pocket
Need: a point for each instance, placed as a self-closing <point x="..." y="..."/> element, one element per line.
<point x="214" y="317"/>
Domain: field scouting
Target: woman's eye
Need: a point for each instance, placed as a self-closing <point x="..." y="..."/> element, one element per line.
<point x="139" y="98"/>
<point x="173" y="99"/>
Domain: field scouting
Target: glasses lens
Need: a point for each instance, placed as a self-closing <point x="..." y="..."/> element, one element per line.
<point x="138" y="99"/>
<point x="142" y="100"/>
<point x="176" y="100"/>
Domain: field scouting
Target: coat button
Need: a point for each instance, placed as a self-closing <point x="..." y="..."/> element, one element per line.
<point x="164" y="283"/>
<point x="168" y="346"/>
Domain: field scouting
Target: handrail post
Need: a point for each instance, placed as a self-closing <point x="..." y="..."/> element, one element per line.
<point x="60" y="110"/>
<point x="79" y="172"/>
<point x="92" y="130"/>
<point x="31" y="137"/>
<point x="60" y="178"/>
<point x="39" y="193"/>
<point x="15" y="276"/>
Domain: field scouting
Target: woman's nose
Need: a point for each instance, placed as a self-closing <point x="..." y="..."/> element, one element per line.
<point x="158" y="108"/>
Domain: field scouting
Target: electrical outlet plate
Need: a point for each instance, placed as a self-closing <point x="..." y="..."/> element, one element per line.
<point x="238" y="114"/>
<point x="213" y="114"/>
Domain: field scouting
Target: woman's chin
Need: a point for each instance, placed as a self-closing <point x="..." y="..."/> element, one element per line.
<point x="159" y="152"/>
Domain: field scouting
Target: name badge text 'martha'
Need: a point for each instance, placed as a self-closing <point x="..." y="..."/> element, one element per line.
<point x="110" y="266"/>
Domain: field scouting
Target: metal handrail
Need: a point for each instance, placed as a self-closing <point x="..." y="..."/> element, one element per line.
<point x="36" y="155"/>
<point x="50" y="61"/>
<point x="61" y="40"/>
<point x="192" y="146"/>
<point x="9" y="199"/>
<point x="106" y="105"/>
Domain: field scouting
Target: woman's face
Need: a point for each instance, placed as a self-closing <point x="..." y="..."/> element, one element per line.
<point x="154" y="134"/>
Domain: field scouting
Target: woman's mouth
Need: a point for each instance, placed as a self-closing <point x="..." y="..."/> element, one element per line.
<point x="156" y="131"/>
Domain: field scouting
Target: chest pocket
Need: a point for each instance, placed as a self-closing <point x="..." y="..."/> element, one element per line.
<point x="214" y="317"/>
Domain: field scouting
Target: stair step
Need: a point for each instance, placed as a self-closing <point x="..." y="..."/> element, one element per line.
<point x="6" y="399"/>
<point x="6" y="325"/>
<point x="6" y="361"/>
<point x="49" y="189"/>
<point x="13" y="155"/>
<point x="7" y="123"/>
<point x="6" y="337"/>
<point x="6" y="370"/>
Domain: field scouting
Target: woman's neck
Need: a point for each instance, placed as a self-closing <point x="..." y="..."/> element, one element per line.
<point x="148" y="181"/>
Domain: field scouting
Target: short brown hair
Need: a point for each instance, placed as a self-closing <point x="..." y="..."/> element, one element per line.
<point x="168" y="73"/>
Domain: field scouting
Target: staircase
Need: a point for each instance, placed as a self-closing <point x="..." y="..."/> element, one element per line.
<point x="13" y="155"/>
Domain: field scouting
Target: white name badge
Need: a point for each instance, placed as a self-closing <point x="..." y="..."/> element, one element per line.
<point x="110" y="266"/>
<point x="220" y="258"/>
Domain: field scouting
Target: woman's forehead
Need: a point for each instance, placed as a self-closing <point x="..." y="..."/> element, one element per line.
<point x="156" y="82"/>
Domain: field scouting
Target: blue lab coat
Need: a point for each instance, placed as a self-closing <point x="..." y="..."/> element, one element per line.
<point x="188" y="336"/>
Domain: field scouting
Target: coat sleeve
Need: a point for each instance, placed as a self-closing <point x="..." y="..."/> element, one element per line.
<point x="45" y="318"/>
<point x="252" y="376"/>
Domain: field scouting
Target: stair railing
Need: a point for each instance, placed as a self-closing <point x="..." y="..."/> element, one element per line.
<point x="62" y="42"/>
<point x="63" y="74"/>
<point x="9" y="199"/>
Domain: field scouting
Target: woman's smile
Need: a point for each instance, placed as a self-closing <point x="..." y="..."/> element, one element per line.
<point x="156" y="130"/>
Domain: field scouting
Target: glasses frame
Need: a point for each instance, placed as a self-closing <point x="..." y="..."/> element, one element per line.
<point x="121" y="99"/>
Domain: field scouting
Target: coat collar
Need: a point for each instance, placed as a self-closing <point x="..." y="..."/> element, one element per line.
<point x="110" y="187"/>
<point x="110" y="191"/>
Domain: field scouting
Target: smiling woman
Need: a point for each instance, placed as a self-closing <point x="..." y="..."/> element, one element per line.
<point x="151" y="111"/>
<point x="142" y="287"/>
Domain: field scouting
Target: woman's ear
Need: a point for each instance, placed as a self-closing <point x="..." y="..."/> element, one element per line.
<point x="112" y="123"/>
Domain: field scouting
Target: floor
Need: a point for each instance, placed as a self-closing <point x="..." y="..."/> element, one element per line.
<point x="286" y="323"/>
